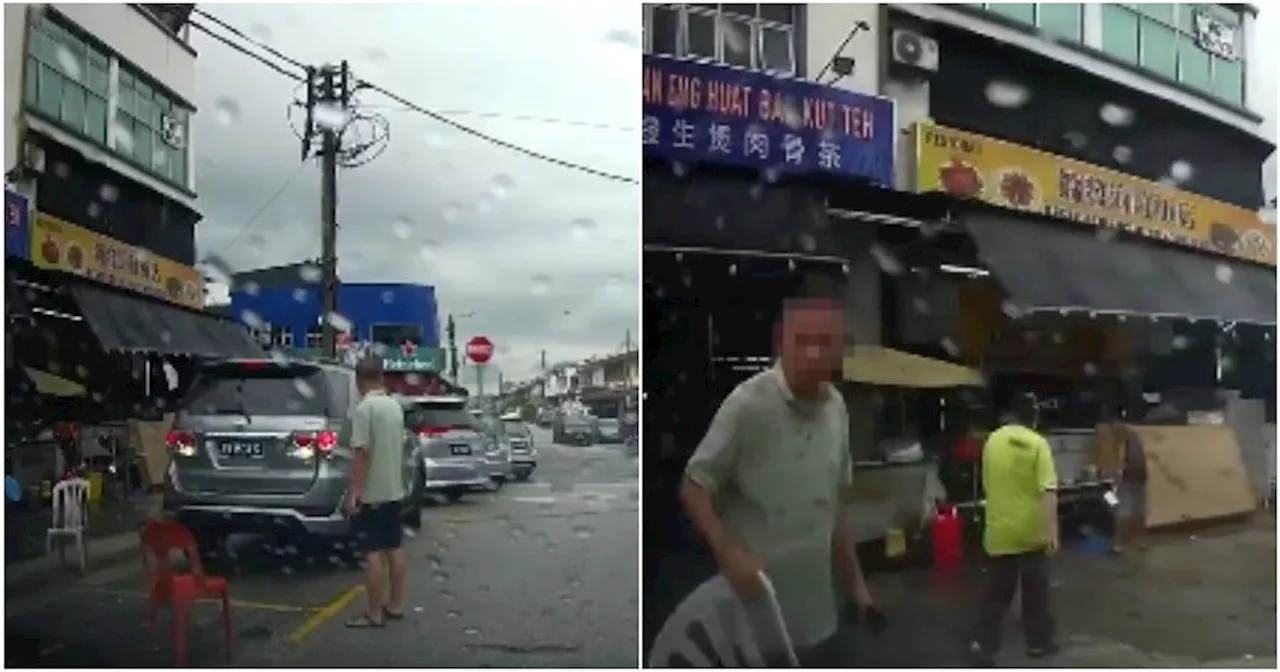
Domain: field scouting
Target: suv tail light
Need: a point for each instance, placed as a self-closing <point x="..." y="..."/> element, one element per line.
<point x="437" y="432"/>
<point x="183" y="443"/>
<point x="321" y="442"/>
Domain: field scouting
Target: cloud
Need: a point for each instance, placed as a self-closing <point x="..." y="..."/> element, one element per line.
<point x="544" y="257"/>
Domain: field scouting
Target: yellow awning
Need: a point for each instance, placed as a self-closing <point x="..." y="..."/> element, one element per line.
<point x="47" y="383"/>
<point x="875" y="365"/>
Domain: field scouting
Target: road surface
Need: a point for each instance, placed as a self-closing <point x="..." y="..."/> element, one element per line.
<point x="541" y="574"/>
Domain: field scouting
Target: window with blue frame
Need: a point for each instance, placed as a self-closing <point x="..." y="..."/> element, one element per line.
<point x="68" y="81"/>
<point x="1196" y="45"/>
<point x="1063" y="21"/>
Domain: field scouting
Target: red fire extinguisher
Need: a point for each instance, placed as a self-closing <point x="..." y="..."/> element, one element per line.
<point x="945" y="534"/>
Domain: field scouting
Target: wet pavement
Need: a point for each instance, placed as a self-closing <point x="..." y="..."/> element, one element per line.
<point x="539" y="574"/>
<point x="1202" y="600"/>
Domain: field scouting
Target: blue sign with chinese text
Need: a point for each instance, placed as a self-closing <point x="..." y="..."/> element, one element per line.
<point x="698" y="112"/>
<point x="17" y="225"/>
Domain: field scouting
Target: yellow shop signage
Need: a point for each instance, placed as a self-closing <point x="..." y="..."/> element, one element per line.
<point x="62" y="246"/>
<point x="968" y="165"/>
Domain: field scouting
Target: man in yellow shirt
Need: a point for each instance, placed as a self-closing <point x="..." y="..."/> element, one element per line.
<point x="1020" y="533"/>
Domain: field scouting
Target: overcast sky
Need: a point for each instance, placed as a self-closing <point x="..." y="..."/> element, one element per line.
<point x="538" y="257"/>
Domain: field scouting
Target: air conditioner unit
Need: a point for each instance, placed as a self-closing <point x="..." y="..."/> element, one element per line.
<point x="173" y="131"/>
<point x="916" y="51"/>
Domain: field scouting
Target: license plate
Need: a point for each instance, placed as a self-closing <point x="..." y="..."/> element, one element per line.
<point x="460" y="449"/>
<point x="234" y="449"/>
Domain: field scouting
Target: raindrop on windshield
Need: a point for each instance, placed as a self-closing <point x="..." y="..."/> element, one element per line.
<point x="1122" y="154"/>
<point x="1181" y="171"/>
<point x="122" y="137"/>
<point x="1223" y="273"/>
<point x="310" y="273"/>
<point x="1002" y="93"/>
<point x="402" y="228"/>
<point x="582" y="228"/>
<point x="888" y="263"/>
<point x="304" y="388"/>
<point x="540" y="285"/>
<point x="1115" y="115"/>
<point x="582" y="532"/>
<point x="337" y="321"/>
<point x="622" y="37"/>
<point x="300" y="295"/>
<point x="68" y="62"/>
<point x="226" y="111"/>
<point x="251" y="288"/>
<point x="330" y="116"/>
<point x="251" y="319"/>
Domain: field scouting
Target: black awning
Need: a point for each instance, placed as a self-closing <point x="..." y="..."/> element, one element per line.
<point x="1045" y="265"/>
<point x="15" y="300"/>
<point x="124" y="322"/>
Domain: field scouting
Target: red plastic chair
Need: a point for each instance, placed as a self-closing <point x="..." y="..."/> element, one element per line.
<point x="159" y="539"/>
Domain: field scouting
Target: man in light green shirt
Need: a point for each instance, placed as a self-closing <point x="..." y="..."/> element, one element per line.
<point x="374" y="497"/>
<point x="765" y="486"/>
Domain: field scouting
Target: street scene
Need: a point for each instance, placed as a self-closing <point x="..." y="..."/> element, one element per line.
<point x="538" y="574"/>
<point x="968" y="313"/>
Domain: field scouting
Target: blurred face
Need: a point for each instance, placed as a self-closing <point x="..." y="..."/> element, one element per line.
<point x="812" y="344"/>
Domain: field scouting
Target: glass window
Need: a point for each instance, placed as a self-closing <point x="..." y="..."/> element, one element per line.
<point x="396" y="334"/>
<point x="1159" y="49"/>
<point x="73" y="108"/>
<point x="700" y="35"/>
<point x="1065" y="21"/>
<point x="781" y="13"/>
<point x="50" y="95"/>
<point x="736" y="34"/>
<point x="1228" y="80"/>
<point x="95" y="118"/>
<point x="775" y="49"/>
<point x="1120" y="33"/>
<point x="1193" y="65"/>
<point x="664" y="30"/>
<point x="1022" y="12"/>
<point x="1160" y="11"/>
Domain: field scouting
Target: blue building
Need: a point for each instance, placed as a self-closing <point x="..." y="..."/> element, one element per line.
<point x="284" y="310"/>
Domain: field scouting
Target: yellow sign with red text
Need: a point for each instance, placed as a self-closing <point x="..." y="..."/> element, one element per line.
<point x="968" y="165"/>
<point x="62" y="246"/>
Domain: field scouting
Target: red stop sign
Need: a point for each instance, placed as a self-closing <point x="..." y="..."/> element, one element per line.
<point x="480" y="349"/>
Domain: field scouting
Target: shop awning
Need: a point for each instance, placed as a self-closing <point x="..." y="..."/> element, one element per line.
<point x="138" y="324"/>
<point x="15" y="303"/>
<point x="1051" y="266"/>
<point x="56" y="386"/>
<point x="875" y="365"/>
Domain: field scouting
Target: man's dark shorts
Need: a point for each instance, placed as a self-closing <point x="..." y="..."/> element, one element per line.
<point x="377" y="527"/>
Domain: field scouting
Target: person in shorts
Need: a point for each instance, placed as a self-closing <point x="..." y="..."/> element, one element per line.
<point x="1131" y="490"/>
<point x="375" y="495"/>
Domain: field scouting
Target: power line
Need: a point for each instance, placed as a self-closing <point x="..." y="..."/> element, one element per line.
<point x="456" y="125"/>
<point x="246" y="52"/>
<point x="463" y="128"/>
<point x="238" y="33"/>
<point x="258" y="213"/>
<point x="515" y="117"/>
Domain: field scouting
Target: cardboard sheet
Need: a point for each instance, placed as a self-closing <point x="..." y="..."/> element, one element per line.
<point x="147" y="439"/>
<point x="1196" y="472"/>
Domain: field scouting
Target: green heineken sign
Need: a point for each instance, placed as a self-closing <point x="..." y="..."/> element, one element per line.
<point x="419" y="361"/>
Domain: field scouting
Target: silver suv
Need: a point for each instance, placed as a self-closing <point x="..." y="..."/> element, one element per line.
<point x="452" y="444"/>
<point x="262" y="445"/>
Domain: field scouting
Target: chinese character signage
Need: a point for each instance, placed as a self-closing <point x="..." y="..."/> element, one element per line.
<point x="697" y="112"/>
<point x="968" y="165"/>
<point x="17" y="230"/>
<point x="60" y="246"/>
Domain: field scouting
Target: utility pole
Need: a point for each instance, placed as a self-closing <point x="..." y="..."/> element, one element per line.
<point x="542" y="362"/>
<point x="626" y="347"/>
<point x="451" y="333"/>
<point x="328" y="86"/>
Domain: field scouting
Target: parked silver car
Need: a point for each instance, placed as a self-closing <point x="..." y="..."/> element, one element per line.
<point x="497" y="447"/>
<point x="452" y="444"/>
<point x="524" y="454"/>
<point x="262" y="445"/>
<point x="608" y="430"/>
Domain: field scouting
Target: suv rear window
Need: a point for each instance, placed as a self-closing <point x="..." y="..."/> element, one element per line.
<point x="272" y="390"/>
<point x="439" y="415"/>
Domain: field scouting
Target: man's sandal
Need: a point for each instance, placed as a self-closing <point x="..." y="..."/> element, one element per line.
<point x="363" y="621"/>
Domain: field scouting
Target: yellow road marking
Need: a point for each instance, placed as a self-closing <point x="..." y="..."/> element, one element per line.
<point x="324" y="614"/>
<point x="243" y="604"/>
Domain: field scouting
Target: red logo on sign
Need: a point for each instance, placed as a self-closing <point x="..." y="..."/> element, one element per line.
<point x="409" y="348"/>
<point x="480" y="350"/>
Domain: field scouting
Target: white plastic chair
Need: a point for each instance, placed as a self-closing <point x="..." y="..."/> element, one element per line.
<point x="741" y="633"/>
<point x="70" y="518"/>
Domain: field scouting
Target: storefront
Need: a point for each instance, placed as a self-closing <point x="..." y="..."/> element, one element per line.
<point x="115" y="335"/>
<point x="756" y="188"/>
